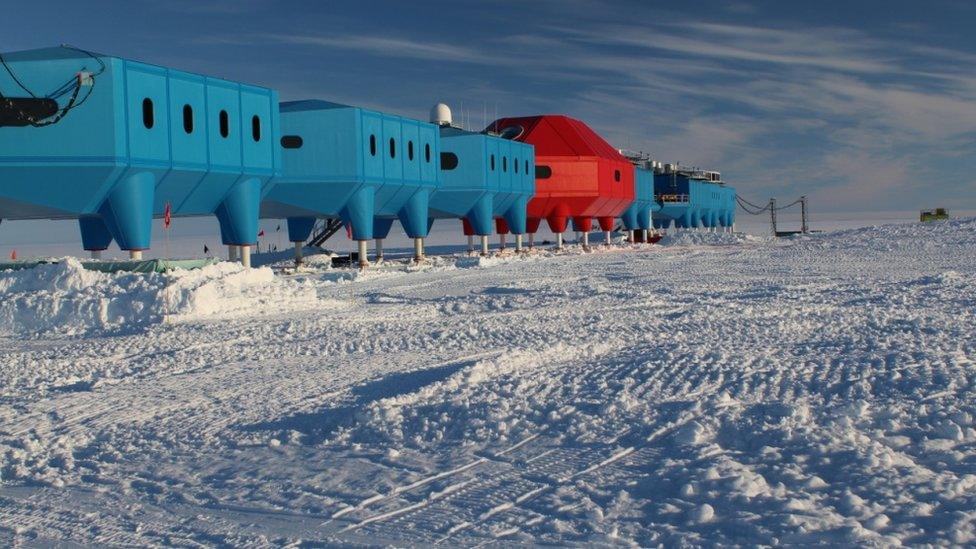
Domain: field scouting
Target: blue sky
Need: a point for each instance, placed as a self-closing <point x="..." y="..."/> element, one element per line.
<point x="860" y="105"/>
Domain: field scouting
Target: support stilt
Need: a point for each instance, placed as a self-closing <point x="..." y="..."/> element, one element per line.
<point x="518" y="243"/>
<point x="501" y="242"/>
<point x="379" y="249"/>
<point x="135" y="254"/>
<point x="418" y="249"/>
<point x="363" y="259"/>
<point x="246" y="256"/>
<point x="232" y="252"/>
<point x="586" y="240"/>
<point x="531" y="240"/>
<point x="559" y="241"/>
<point x="606" y="238"/>
<point x="96" y="254"/>
<point x="644" y="235"/>
<point x="298" y="253"/>
<point x="470" y="244"/>
<point x="484" y="244"/>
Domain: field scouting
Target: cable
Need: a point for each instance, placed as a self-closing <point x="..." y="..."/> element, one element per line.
<point x="14" y="76"/>
<point x="62" y="91"/>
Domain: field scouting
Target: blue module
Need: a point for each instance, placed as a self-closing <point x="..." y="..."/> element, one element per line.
<point x="484" y="177"/>
<point x="691" y="199"/>
<point x="364" y="167"/>
<point x="113" y="142"/>
<point x="638" y="215"/>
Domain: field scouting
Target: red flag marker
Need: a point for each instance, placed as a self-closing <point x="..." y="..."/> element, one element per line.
<point x="13" y="255"/>
<point x="167" y="215"/>
<point x="261" y="232"/>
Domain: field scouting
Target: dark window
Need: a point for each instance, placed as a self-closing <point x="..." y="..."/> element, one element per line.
<point x="526" y="166"/>
<point x="148" y="116"/>
<point x="187" y="118"/>
<point x="492" y="162"/>
<point x="616" y="175"/>
<point x="543" y="172"/>
<point x="409" y="150"/>
<point x="449" y="161"/>
<point x="224" y="124"/>
<point x="256" y="128"/>
<point x="504" y="163"/>
<point x="515" y="163"/>
<point x="511" y="132"/>
<point x="372" y="145"/>
<point x="291" y="141"/>
<point x="392" y="148"/>
<point x="427" y="152"/>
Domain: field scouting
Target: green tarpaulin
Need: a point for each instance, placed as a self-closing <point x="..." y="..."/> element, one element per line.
<point x="141" y="266"/>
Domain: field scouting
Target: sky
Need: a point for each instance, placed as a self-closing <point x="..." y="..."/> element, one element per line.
<point x="860" y="105"/>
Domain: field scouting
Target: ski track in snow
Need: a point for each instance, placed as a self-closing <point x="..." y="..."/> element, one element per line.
<point x="714" y="390"/>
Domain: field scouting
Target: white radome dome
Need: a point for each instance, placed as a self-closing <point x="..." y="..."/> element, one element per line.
<point x="440" y="114"/>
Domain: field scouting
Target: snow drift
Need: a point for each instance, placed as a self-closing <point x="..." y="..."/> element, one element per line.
<point x="65" y="298"/>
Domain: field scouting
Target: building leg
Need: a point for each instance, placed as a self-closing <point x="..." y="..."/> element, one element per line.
<point x="363" y="259"/>
<point x="418" y="249"/>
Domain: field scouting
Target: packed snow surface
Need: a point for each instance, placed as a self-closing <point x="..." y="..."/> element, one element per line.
<point x="712" y="389"/>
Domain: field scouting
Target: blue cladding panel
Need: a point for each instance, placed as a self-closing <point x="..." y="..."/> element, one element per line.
<point x="373" y="151"/>
<point x="147" y="103"/>
<point x="411" y="158"/>
<point x="392" y="159"/>
<point x="429" y="163"/>
<point x="256" y="108"/>
<point x="225" y="152"/>
<point x="189" y="148"/>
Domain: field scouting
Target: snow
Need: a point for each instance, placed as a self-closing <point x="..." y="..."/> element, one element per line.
<point x="716" y="389"/>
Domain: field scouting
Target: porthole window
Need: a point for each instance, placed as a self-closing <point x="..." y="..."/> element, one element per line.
<point x="616" y="175"/>
<point x="372" y="145"/>
<point x="392" y="148"/>
<point x="427" y="152"/>
<point x="188" y="118"/>
<point x="515" y="163"/>
<point x="505" y="164"/>
<point x="148" y="116"/>
<point x="492" y="162"/>
<point x="224" y="124"/>
<point x="449" y="161"/>
<point x="526" y="166"/>
<point x="543" y="172"/>
<point x="256" y="128"/>
<point x="409" y="150"/>
<point x="292" y="141"/>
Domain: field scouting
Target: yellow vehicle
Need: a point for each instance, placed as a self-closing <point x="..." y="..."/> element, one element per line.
<point x="937" y="214"/>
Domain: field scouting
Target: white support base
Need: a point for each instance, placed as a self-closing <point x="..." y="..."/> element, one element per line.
<point x="532" y="240"/>
<point x="298" y="253"/>
<point x="484" y="244"/>
<point x="135" y="254"/>
<point x="501" y="242"/>
<point x="379" y="249"/>
<point x="606" y="238"/>
<point x="96" y="254"/>
<point x="586" y="240"/>
<point x="559" y="241"/>
<point x="518" y="243"/>
<point x="246" y="256"/>
<point x="363" y="259"/>
<point x="418" y="249"/>
<point x="470" y="244"/>
<point x="232" y="252"/>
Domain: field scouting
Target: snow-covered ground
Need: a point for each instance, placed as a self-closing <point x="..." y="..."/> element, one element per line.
<point x="713" y="389"/>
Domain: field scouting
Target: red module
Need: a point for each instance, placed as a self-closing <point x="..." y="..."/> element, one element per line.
<point x="579" y="176"/>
